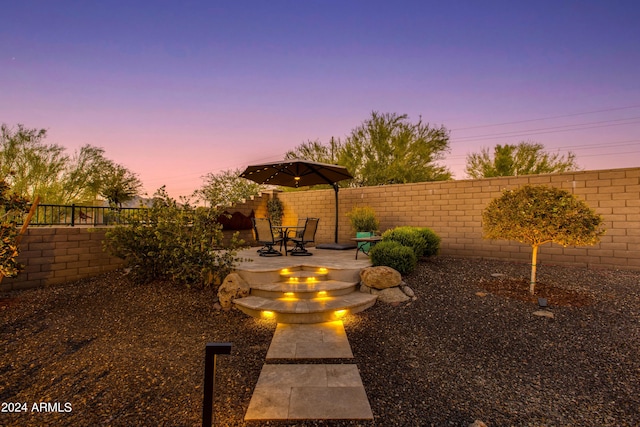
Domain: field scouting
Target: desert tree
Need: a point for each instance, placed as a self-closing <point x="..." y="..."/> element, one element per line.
<point x="226" y="188"/>
<point x="536" y="215"/>
<point x="525" y="158"/>
<point x="119" y="185"/>
<point x="33" y="167"/>
<point x="390" y="149"/>
<point x="316" y="151"/>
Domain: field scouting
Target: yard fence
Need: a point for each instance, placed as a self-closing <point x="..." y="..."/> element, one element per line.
<point x="72" y="215"/>
<point x="453" y="209"/>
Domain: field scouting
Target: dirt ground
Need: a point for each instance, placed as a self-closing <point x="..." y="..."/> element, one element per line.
<point x="109" y="352"/>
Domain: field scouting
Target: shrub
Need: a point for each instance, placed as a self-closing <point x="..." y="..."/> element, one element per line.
<point x="423" y="241"/>
<point x="12" y="207"/>
<point x="432" y="241"/>
<point x="175" y="242"/>
<point x="394" y="255"/>
<point x="363" y="219"/>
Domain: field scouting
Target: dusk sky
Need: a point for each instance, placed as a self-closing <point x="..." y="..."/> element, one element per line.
<point x="174" y="90"/>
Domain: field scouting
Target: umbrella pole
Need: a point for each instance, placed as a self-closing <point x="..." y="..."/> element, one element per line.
<point x="335" y="188"/>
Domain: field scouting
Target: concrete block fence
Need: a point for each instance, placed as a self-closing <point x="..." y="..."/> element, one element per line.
<point x="453" y="209"/>
<point x="55" y="255"/>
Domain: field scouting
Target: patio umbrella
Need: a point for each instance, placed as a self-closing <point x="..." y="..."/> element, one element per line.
<point x="299" y="173"/>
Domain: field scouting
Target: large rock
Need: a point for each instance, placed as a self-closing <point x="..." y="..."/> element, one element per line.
<point x="390" y="295"/>
<point x="231" y="288"/>
<point x="380" y="277"/>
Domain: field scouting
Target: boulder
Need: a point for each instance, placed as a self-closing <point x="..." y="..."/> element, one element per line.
<point x="477" y="423"/>
<point x="231" y="288"/>
<point x="408" y="291"/>
<point x="380" y="277"/>
<point x="390" y="295"/>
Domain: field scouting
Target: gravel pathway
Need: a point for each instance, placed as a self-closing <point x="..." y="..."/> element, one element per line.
<point x="107" y="352"/>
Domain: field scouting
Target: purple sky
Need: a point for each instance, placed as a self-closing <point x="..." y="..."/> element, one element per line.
<point x="174" y="90"/>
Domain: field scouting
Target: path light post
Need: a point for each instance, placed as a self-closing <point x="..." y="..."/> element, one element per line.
<point x="212" y="350"/>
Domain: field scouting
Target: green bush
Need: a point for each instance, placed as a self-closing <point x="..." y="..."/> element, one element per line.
<point x="432" y="241"/>
<point x="423" y="241"/>
<point x="363" y="219"/>
<point x="394" y="255"/>
<point x="176" y="242"/>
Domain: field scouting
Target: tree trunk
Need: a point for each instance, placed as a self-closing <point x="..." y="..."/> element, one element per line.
<point x="534" y="260"/>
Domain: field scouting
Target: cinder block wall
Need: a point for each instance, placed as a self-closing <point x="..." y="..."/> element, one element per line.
<point x="57" y="255"/>
<point x="453" y="209"/>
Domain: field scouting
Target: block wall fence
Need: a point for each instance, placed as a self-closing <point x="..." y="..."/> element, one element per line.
<point x="453" y="209"/>
<point x="55" y="255"/>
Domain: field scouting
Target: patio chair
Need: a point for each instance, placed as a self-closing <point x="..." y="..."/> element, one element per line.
<point x="264" y="236"/>
<point x="308" y="235"/>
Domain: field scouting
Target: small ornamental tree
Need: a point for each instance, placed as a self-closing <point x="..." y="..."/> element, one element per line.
<point x="539" y="214"/>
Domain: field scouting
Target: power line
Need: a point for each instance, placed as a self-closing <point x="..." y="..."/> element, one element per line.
<point x="550" y="117"/>
<point x="552" y="129"/>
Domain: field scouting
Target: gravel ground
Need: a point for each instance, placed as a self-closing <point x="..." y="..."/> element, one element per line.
<point x="108" y="352"/>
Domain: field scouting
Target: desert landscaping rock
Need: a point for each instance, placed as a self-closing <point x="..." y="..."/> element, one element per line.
<point x="390" y="295"/>
<point x="231" y="288"/>
<point x="544" y="313"/>
<point x="130" y="354"/>
<point x="380" y="277"/>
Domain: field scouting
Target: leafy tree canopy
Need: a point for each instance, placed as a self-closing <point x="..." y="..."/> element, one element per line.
<point x="226" y="188"/>
<point x="526" y="158"/>
<point x="33" y="167"/>
<point x="119" y="185"/>
<point x="315" y="151"/>
<point x="536" y="215"/>
<point x="389" y="149"/>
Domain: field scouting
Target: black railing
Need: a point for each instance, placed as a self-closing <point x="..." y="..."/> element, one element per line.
<point x="72" y="215"/>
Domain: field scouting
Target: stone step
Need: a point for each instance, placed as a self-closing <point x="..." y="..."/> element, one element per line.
<point x="300" y="275"/>
<point x="259" y="274"/>
<point x="303" y="290"/>
<point x="294" y="310"/>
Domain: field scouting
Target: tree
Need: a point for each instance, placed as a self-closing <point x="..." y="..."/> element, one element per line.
<point x="30" y="166"/>
<point x="119" y="185"/>
<point x="83" y="176"/>
<point x="389" y="149"/>
<point x="315" y="151"/>
<point x="526" y="158"/>
<point x="226" y="188"/>
<point x="33" y="167"/>
<point x="540" y="214"/>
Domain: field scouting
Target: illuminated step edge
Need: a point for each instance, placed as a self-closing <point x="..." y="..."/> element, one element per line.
<point x="270" y="275"/>
<point x="304" y="290"/>
<point x="294" y="310"/>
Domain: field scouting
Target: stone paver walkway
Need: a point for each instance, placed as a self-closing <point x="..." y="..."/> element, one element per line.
<point x="310" y="341"/>
<point x="309" y="391"/>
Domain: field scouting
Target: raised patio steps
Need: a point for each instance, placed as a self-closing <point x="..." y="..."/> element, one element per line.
<point x="303" y="294"/>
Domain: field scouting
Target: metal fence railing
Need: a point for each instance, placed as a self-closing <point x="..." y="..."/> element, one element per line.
<point x="72" y="215"/>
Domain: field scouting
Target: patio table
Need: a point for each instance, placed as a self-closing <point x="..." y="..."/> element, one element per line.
<point x="283" y="230"/>
<point x="372" y="240"/>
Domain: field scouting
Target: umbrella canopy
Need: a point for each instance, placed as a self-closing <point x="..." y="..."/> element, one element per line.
<point x="299" y="173"/>
<point x="296" y="173"/>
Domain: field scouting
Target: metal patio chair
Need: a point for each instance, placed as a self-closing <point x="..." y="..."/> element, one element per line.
<point x="308" y="235"/>
<point x="264" y="236"/>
